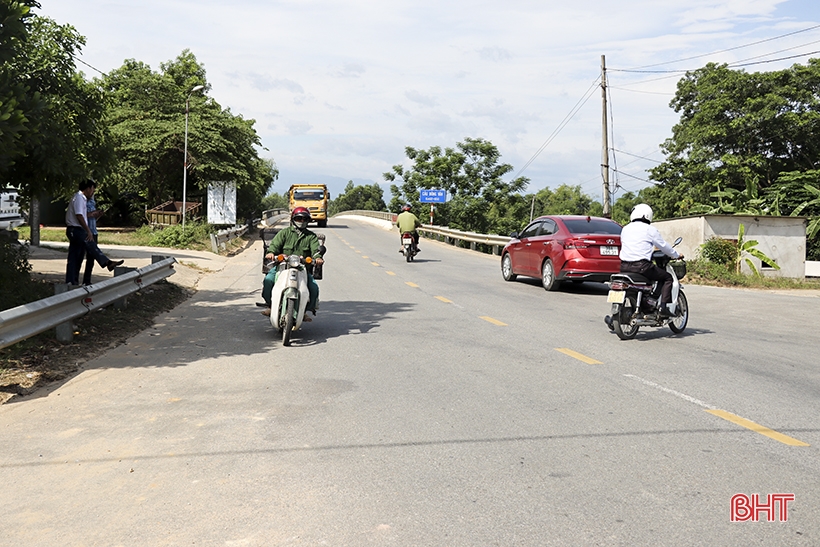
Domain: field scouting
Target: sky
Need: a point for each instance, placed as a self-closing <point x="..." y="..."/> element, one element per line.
<point x="339" y="88"/>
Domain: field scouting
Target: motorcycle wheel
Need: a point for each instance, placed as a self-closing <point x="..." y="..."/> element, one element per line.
<point x="287" y="328"/>
<point x="408" y="255"/>
<point x="620" y="321"/>
<point x="506" y="268"/>
<point x="678" y="323"/>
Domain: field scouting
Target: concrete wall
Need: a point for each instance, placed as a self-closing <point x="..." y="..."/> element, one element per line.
<point x="781" y="238"/>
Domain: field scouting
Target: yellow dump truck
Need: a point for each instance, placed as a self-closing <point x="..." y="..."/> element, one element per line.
<point x="313" y="196"/>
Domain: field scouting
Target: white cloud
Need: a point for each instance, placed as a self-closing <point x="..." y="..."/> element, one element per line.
<point x="341" y="87"/>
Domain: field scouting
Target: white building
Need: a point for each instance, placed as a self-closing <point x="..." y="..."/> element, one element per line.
<point x="781" y="238"/>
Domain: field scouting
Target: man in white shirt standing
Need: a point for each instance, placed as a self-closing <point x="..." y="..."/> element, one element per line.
<point x="80" y="237"/>
<point x="638" y="239"/>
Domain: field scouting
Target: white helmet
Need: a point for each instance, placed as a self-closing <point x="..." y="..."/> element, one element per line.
<point x="641" y="210"/>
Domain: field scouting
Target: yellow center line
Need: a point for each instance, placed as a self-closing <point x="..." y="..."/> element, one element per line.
<point x="444" y="300"/>
<point x="357" y="251"/>
<point x="579" y="356"/>
<point x="365" y="256"/>
<point x="376" y="264"/>
<point x="757" y="428"/>
<point x="390" y="273"/>
<point x="493" y="321"/>
<point x="412" y="284"/>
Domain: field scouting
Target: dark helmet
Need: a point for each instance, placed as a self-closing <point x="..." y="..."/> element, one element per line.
<point x="406" y="207"/>
<point x="300" y="214"/>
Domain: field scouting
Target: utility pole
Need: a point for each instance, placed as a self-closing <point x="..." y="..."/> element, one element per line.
<point x="605" y="150"/>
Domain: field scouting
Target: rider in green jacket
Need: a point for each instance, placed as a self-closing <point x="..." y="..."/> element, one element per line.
<point x="295" y="239"/>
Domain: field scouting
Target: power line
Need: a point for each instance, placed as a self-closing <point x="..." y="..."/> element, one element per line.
<point x="86" y="64"/>
<point x="733" y="65"/>
<point x="635" y="155"/>
<point x="729" y="49"/>
<point x="581" y="102"/>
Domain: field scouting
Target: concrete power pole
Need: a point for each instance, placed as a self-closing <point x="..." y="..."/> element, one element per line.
<point x="605" y="150"/>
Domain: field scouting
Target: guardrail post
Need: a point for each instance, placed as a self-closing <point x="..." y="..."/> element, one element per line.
<point x="496" y="250"/>
<point x="122" y="303"/>
<point x="64" y="332"/>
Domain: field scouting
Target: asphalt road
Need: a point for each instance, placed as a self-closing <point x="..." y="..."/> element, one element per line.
<point x="427" y="404"/>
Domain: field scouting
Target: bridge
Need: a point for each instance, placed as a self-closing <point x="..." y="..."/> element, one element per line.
<point x="428" y="403"/>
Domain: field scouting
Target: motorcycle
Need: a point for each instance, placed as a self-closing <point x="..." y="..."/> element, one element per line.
<point x="289" y="297"/>
<point x="408" y="246"/>
<point x="636" y="300"/>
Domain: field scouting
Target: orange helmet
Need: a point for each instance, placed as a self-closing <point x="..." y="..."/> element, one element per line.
<point x="301" y="214"/>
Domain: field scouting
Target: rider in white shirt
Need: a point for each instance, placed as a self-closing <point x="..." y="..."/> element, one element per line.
<point x="638" y="240"/>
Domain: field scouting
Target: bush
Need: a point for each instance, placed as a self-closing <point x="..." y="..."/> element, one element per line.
<point x="720" y="251"/>
<point x="173" y="236"/>
<point x="16" y="285"/>
<point x="714" y="272"/>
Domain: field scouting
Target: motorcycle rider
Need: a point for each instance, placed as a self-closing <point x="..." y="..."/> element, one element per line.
<point x="295" y="239"/>
<point x="408" y="222"/>
<point x="638" y="239"/>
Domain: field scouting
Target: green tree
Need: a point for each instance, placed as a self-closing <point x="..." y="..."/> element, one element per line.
<point x="473" y="178"/>
<point x="737" y="133"/>
<point x="275" y="201"/>
<point x="565" y="200"/>
<point x="359" y="197"/>
<point x="68" y="139"/>
<point x="147" y="119"/>
<point x="17" y="102"/>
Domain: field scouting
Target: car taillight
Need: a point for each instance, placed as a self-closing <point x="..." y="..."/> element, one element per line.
<point x="577" y="243"/>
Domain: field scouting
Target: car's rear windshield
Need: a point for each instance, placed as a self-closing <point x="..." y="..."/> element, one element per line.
<point x="592" y="226"/>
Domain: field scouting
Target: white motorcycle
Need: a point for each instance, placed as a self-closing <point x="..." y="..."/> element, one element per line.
<point x="636" y="300"/>
<point x="290" y="295"/>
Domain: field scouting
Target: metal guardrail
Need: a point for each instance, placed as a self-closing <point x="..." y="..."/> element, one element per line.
<point x="272" y="216"/>
<point x="444" y="233"/>
<point x="25" y="321"/>
<point x="220" y="239"/>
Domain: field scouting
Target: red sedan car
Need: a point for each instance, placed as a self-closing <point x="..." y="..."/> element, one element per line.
<point x="562" y="247"/>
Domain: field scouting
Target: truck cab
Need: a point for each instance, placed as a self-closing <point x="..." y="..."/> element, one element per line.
<point x="314" y="197"/>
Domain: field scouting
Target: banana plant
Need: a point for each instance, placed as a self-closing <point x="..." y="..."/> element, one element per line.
<point x="814" y="223"/>
<point x="748" y="247"/>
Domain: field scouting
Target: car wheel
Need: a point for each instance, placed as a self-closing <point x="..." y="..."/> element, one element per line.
<point x="548" y="276"/>
<point x="506" y="268"/>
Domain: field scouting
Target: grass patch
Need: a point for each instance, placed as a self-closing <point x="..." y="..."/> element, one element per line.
<point x="703" y="272"/>
<point x="197" y="236"/>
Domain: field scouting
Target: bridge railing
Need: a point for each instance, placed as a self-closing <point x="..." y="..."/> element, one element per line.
<point x="492" y="242"/>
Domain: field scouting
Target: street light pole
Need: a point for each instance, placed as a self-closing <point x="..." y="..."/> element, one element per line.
<point x="185" y="158"/>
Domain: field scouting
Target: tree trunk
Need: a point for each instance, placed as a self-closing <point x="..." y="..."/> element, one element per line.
<point x="34" y="222"/>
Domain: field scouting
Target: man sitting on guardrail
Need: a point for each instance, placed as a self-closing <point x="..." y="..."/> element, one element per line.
<point x="80" y="237"/>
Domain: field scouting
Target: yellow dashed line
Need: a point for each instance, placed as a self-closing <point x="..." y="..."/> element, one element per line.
<point x="357" y="251"/>
<point x="376" y="264"/>
<point x="493" y="321"/>
<point x="412" y="284"/>
<point x="444" y="300"/>
<point x="390" y="273"/>
<point x="365" y="256"/>
<point x="579" y="356"/>
<point x="748" y="424"/>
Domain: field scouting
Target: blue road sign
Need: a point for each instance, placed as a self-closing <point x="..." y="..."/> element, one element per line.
<point x="433" y="196"/>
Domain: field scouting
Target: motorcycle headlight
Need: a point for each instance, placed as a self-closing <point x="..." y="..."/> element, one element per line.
<point x="293" y="261"/>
